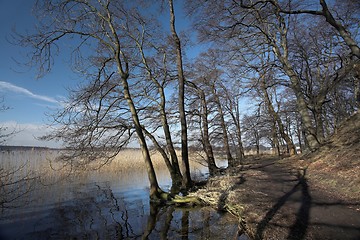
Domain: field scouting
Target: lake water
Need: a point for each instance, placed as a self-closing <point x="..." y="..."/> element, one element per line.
<point x="111" y="203"/>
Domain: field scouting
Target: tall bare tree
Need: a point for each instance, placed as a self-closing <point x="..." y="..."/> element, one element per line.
<point x="187" y="182"/>
<point x="203" y="113"/>
<point x="156" y="70"/>
<point x="337" y="21"/>
<point x="106" y="53"/>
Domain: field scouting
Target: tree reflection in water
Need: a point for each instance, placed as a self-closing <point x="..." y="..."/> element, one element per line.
<point x="111" y="203"/>
<point x="96" y="212"/>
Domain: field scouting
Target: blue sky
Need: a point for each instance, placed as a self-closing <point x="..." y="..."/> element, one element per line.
<point x="30" y="99"/>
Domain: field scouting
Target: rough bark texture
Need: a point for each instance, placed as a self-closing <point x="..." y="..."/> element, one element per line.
<point x="276" y="118"/>
<point x="206" y="139"/>
<point x="229" y="157"/>
<point x="355" y="50"/>
<point x="295" y="84"/>
<point x="310" y="133"/>
<point x="154" y="187"/>
<point x="187" y="182"/>
<point x="123" y="70"/>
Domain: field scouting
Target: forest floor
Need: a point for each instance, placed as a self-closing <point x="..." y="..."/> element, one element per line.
<point x="312" y="196"/>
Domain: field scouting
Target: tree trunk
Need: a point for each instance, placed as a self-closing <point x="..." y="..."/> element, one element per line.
<point x="170" y="146"/>
<point x="275" y="139"/>
<point x="155" y="191"/>
<point x="187" y="182"/>
<point x="310" y="133"/>
<point x="206" y="139"/>
<point x="174" y="168"/>
<point x="240" y="148"/>
<point x="357" y="84"/>
<point x="230" y="159"/>
<point x="355" y="50"/>
<point x="175" y="177"/>
<point x="319" y="123"/>
<point x="235" y="115"/>
<point x="277" y="119"/>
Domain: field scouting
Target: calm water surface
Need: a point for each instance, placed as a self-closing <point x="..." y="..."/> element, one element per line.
<point x="107" y="205"/>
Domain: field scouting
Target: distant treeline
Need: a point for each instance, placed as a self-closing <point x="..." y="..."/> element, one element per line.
<point x="12" y="148"/>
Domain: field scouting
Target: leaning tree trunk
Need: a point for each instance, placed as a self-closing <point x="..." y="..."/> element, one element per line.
<point x="123" y="70"/>
<point x="229" y="157"/>
<point x="187" y="182"/>
<point x="173" y="166"/>
<point x="175" y="178"/>
<point x="310" y="133"/>
<point x="176" y="173"/>
<point x="276" y="118"/>
<point x="206" y="139"/>
<point x="155" y="191"/>
<point x="355" y="50"/>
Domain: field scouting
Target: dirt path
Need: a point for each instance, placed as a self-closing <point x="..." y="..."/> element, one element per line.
<point x="282" y="203"/>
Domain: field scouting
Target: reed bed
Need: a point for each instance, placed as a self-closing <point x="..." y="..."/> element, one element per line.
<point x="26" y="174"/>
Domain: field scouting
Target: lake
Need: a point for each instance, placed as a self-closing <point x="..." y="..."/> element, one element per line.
<point x="46" y="201"/>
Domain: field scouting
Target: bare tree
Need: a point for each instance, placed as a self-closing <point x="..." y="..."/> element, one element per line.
<point x="156" y="70"/>
<point x="330" y="19"/>
<point x="274" y="115"/>
<point x="102" y="108"/>
<point x="254" y="131"/>
<point x="203" y="113"/>
<point x="187" y="182"/>
<point x="337" y="21"/>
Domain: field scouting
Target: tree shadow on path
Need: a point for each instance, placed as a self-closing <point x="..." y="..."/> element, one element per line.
<point x="299" y="228"/>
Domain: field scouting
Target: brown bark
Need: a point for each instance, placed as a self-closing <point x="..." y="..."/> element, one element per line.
<point x="174" y="174"/>
<point x="229" y="157"/>
<point x="295" y="84"/>
<point x="275" y="116"/>
<point x="123" y="71"/>
<point x="187" y="182"/>
<point x="206" y="139"/>
<point x="154" y="186"/>
<point x="173" y="166"/>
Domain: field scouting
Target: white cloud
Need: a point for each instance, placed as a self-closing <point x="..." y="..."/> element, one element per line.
<point x="27" y="134"/>
<point x="5" y="87"/>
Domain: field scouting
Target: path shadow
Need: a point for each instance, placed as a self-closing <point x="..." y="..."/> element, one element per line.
<point x="299" y="228"/>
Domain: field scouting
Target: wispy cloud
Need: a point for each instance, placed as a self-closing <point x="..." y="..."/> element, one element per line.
<point x="5" y="86"/>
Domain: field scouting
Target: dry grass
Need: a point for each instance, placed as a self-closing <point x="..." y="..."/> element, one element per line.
<point x="335" y="166"/>
<point x="44" y="165"/>
<point x="29" y="175"/>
